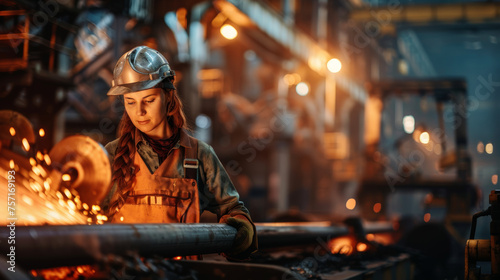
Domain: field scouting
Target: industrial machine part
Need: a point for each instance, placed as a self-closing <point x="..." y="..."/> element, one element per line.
<point x="85" y="167"/>
<point x="483" y="249"/>
<point x="14" y="126"/>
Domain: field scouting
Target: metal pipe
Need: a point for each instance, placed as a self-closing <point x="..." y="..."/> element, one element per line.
<point x="278" y="236"/>
<point x="52" y="246"/>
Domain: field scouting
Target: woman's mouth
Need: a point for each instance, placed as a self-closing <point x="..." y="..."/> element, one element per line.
<point x="143" y="122"/>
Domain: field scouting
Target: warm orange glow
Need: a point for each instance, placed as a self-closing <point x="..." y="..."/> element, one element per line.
<point x="67" y="193"/>
<point x="71" y="205"/>
<point x="370" y="236"/>
<point x="361" y="247"/>
<point x="32" y="161"/>
<point x="177" y="258"/>
<point x="341" y="245"/>
<point x="292" y="79"/>
<point x="85" y="206"/>
<point x="228" y="31"/>
<point x="66" y="177"/>
<point x="47" y="159"/>
<point x="46" y="185"/>
<point x="84" y="271"/>
<point x="12" y="131"/>
<point x="427" y="217"/>
<point x="377" y="207"/>
<point x="121" y="218"/>
<point x="494" y="179"/>
<point x="26" y="144"/>
<point x="383" y="238"/>
<point x="39" y="156"/>
<point x="11" y="164"/>
<point x="36" y="170"/>
<point x="28" y="200"/>
<point x="350" y="204"/>
<point x="424" y="137"/>
<point x="334" y="65"/>
<point x="416" y="134"/>
<point x="41" y="132"/>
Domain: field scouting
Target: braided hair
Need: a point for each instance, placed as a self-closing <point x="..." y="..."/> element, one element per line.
<point x="123" y="173"/>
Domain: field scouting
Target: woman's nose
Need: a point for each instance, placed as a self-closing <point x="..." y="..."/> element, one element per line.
<point x="141" y="110"/>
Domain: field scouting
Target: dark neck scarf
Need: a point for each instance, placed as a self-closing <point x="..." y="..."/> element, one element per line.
<point x="163" y="146"/>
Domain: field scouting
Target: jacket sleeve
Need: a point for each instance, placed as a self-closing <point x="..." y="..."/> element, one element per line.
<point x="217" y="192"/>
<point x="111" y="149"/>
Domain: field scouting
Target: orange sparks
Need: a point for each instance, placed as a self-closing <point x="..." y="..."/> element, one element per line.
<point x="26" y="144"/>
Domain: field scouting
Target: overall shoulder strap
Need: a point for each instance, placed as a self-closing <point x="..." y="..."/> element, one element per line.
<point x="191" y="160"/>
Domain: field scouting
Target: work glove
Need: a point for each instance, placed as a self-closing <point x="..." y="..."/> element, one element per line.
<point x="244" y="234"/>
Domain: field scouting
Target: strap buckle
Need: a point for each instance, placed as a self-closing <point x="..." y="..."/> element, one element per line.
<point x="191" y="163"/>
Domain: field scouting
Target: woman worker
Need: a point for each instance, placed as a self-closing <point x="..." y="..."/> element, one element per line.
<point x="160" y="173"/>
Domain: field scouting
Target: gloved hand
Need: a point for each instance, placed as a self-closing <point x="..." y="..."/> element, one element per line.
<point x="244" y="234"/>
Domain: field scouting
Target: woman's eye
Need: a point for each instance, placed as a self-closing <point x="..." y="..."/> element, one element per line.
<point x="150" y="101"/>
<point x="130" y="103"/>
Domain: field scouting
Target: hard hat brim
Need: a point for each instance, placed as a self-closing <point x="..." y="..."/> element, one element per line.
<point x="133" y="87"/>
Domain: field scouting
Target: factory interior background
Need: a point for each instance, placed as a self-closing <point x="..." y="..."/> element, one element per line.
<point x="320" y="110"/>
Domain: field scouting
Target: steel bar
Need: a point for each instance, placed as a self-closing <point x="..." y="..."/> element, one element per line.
<point x="51" y="246"/>
<point x="278" y="236"/>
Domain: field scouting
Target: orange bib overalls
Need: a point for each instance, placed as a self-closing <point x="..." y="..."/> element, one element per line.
<point x="155" y="198"/>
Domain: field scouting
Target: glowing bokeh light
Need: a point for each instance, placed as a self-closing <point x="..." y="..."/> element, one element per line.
<point x="228" y="31"/>
<point x="427" y="217"/>
<point x="424" y="137"/>
<point x="66" y="177"/>
<point x="409" y="124"/>
<point x="334" y="65"/>
<point x="361" y="247"/>
<point x="480" y="147"/>
<point x="302" y="89"/>
<point x="350" y="204"/>
<point x="489" y="148"/>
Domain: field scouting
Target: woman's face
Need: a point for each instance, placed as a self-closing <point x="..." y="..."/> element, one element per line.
<point x="147" y="110"/>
